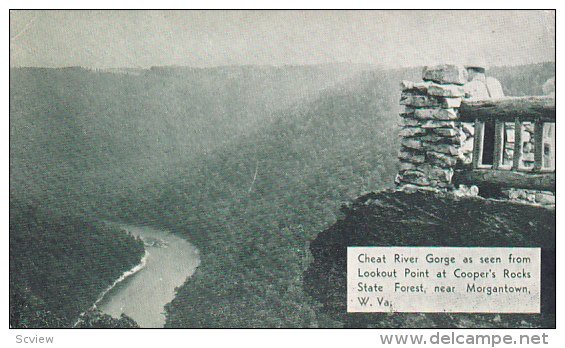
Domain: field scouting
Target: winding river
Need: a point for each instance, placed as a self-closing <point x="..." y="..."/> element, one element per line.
<point x="168" y="261"/>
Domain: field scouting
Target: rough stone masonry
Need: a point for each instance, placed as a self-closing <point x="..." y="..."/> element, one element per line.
<point x="434" y="141"/>
<point x="432" y="136"/>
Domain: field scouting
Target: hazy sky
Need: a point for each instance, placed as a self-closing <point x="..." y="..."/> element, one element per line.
<point x="104" y="39"/>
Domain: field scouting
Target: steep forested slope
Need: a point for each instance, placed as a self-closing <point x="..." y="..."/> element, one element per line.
<point x="59" y="265"/>
<point x="76" y="132"/>
<point x="252" y="228"/>
<point x="83" y="141"/>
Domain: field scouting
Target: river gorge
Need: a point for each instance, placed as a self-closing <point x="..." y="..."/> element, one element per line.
<point x="169" y="260"/>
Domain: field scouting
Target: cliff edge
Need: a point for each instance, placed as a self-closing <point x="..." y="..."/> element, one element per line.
<point x="396" y="218"/>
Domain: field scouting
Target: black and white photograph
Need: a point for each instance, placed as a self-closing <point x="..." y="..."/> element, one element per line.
<point x="386" y="169"/>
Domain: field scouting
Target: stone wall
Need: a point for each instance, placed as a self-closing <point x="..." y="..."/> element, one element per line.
<point x="433" y="140"/>
<point x="432" y="136"/>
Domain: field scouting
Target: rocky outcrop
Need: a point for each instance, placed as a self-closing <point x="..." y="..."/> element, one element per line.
<point x="430" y="219"/>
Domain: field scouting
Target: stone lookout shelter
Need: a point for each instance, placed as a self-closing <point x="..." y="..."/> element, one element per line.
<point x="461" y="134"/>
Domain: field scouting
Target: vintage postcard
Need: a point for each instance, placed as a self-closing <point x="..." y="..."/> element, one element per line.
<point x="282" y="169"/>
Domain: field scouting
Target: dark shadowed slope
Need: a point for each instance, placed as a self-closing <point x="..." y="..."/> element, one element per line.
<point x="59" y="265"/>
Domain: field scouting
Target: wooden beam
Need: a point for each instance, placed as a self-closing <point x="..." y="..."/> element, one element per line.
<point x="507" y="108"/>
<point x="551" y="135"/>
<point x="506" y="179"/>
<point x="498" y="144"/>
<point x="478" y="143"/>
<point x="538" y="146"/>
<point x="517" y="157"/>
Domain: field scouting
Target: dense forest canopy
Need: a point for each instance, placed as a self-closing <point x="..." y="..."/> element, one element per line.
<point x="76" y="130"/>
<point x="60" y="264"/>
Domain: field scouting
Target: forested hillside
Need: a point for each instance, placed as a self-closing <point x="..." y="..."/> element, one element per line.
<point x="248" y="163"/>
<point x="59" y="265"/>
<point x="524" y="79"/>
<point x="82" y="142"/>
<point x="77" y="132"/>
<point x="307" y="163"/>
